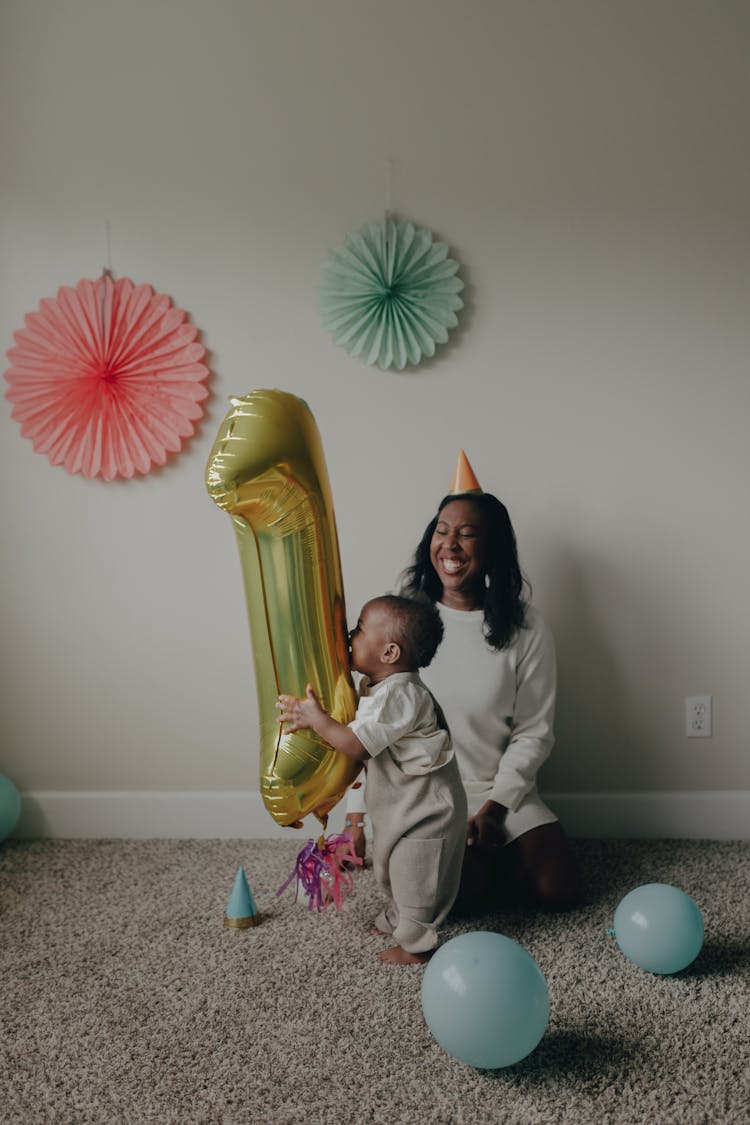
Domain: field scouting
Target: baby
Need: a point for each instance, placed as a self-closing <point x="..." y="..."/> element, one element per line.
<point x="415" y="797"/>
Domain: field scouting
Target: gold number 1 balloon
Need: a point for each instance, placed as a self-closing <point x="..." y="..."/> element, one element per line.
<point x="268" y="472"/>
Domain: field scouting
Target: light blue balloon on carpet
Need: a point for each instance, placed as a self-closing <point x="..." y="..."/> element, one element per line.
<point x="10" y="806"/>
<point x="659" y="927"/>
<point x="485" y="999"/>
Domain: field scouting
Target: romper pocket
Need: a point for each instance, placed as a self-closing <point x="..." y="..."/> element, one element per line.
<point x="414" y="871"/>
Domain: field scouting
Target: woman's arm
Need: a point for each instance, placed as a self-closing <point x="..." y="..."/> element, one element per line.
<point x="532" y="736"/>
<point x="355" y="819"/>
<point x="307" y="714"/>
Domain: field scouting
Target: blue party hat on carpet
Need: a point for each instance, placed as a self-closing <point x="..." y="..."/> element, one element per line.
<point x="241" y="910"/>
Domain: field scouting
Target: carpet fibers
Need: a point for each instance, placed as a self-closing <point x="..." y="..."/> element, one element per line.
<point x="125" y="1000"/>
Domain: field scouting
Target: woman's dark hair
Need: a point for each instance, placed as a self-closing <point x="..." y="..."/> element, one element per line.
<point x="504" y="603"/>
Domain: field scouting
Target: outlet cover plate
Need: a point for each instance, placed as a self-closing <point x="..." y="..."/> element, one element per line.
<point x="698" y="718"/>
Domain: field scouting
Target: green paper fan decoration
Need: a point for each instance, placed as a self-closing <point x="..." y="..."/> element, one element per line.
<point x="389" y="294"/>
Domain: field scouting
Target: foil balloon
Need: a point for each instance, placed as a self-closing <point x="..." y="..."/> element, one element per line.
<point x="267" y="471"/>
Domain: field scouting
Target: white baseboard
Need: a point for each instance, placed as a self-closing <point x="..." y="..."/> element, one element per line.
<point x="711" y="815"/>
<point x="142" y="815"/>
<point x="699" y="815"/>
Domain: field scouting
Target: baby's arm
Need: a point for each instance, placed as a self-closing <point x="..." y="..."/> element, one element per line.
<point x="307" y="714"/>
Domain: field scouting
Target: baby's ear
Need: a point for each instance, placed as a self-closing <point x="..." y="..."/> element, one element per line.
<point x="391" y="653"/>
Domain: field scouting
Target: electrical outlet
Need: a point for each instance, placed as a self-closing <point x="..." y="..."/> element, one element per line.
<point x="698" y="716"/>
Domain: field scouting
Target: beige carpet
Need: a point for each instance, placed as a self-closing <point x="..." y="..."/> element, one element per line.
<point x="125" y="1000"/>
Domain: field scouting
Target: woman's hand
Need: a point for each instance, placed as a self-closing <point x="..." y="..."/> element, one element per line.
<point x="487" y="828"/>
<point x="356" y="830"/>
<point x="300" y="714"/>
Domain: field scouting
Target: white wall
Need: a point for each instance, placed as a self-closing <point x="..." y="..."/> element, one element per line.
<point x="588" y="165"/>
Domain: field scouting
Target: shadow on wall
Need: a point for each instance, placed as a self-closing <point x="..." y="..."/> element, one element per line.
<point x="605" y="646"/>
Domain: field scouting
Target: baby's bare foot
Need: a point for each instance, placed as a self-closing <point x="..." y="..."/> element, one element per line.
<point x="375" y="930"/>
<point x="398" y="956"/>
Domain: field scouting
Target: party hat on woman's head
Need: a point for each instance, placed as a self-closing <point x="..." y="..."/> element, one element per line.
<point x="464" y="481"/>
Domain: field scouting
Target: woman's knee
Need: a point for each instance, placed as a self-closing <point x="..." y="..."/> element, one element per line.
<point x="548" y="869"/>
<point x="556" y="887"/>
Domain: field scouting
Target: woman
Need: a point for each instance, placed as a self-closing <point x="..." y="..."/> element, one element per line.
<point x="494" y="677"/>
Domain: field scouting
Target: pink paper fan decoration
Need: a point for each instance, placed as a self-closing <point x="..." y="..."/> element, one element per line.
<point x="106" y="378"/>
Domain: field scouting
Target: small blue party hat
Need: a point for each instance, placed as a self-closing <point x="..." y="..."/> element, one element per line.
<point x="241" y="910"/>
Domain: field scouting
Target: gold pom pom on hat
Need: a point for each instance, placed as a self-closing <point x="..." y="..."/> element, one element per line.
<point x="464" y="481"/>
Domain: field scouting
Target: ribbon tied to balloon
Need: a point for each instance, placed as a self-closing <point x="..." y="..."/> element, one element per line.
<point x="267" y="471"/>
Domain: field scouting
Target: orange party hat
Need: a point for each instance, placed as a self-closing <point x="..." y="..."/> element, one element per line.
<point x="464" y="481"/>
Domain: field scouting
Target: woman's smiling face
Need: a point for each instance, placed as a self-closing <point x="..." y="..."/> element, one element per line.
<point x="458" y="552"/>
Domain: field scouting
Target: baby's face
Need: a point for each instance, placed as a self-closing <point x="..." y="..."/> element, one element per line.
<point x="369" y="638"/>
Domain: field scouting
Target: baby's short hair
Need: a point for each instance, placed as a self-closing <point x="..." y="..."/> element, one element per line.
<point x="418" y="626"/>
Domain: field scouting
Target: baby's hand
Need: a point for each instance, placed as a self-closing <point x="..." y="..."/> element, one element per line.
<point x="300" y="714"/>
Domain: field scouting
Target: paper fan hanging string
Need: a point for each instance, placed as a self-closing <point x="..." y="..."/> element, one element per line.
<point x="107" y="378"/>
<point x="390" y="294"/>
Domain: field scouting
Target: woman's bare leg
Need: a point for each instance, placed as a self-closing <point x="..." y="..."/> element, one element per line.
<point x="538" y="868"/>
<point x="545" y="868"/>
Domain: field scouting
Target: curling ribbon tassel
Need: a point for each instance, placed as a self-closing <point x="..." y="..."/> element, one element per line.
<point x="323" y="869"/>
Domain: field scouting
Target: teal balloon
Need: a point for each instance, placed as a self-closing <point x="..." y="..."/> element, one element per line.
<point x="659" y="927"/>
<point x="485" y="999"/>
<point x="10" y="806"/>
